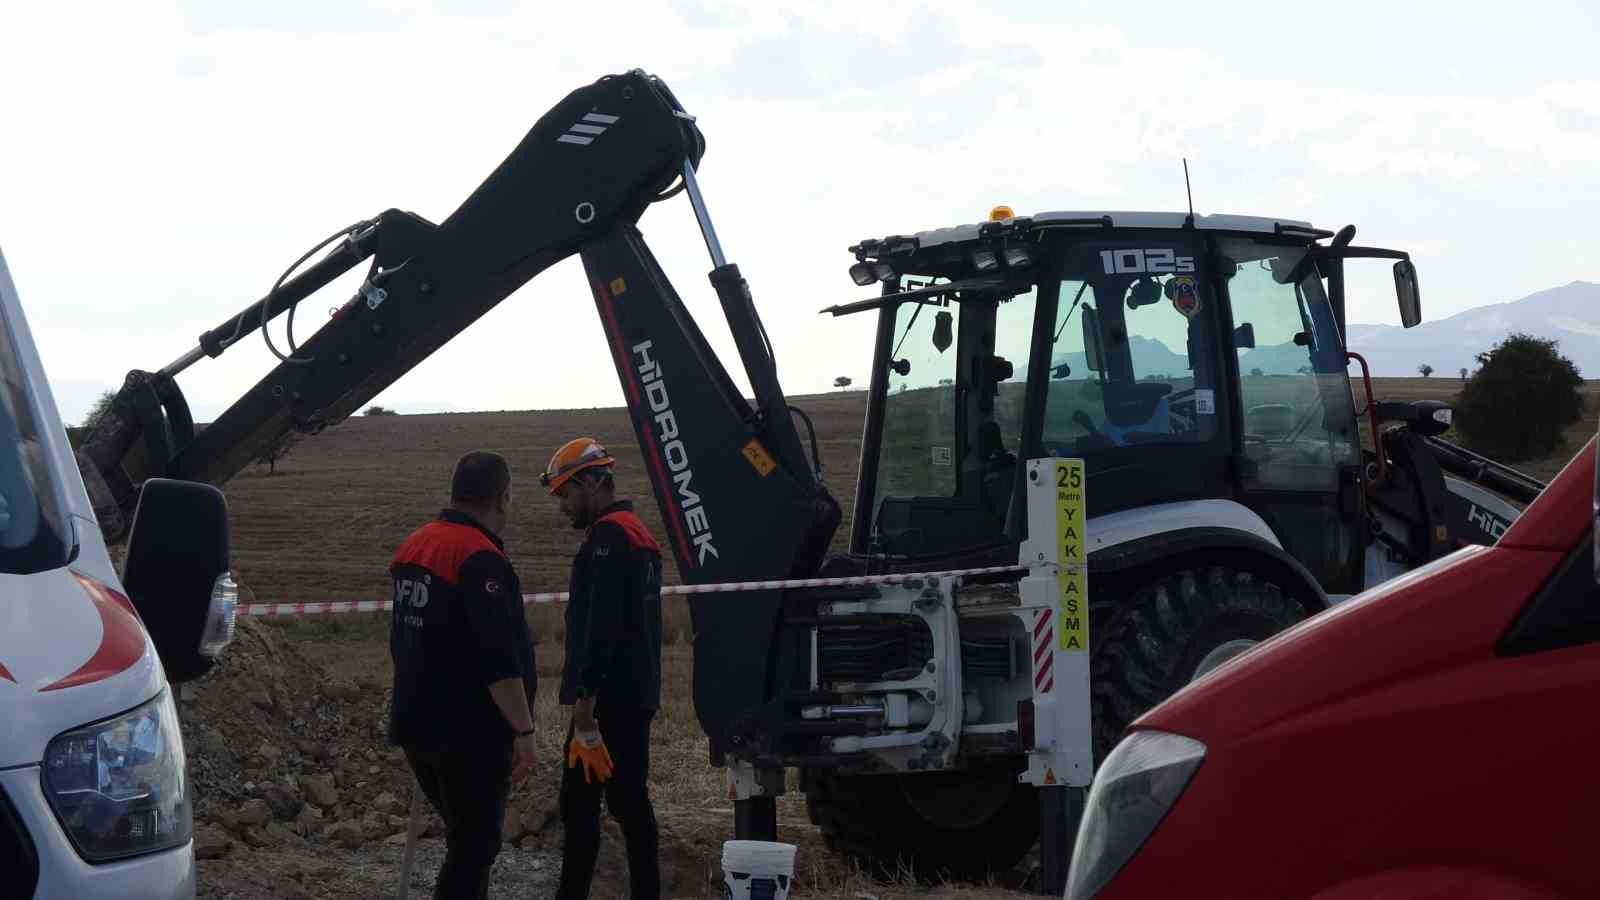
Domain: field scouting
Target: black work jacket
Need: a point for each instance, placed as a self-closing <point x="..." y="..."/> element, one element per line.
<point x="614" y="615"/>
<point x="457" y="627"/>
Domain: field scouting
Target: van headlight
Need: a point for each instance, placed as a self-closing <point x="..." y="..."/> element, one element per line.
<point x="1136" y="785"/>
<point x="119" y="787"/>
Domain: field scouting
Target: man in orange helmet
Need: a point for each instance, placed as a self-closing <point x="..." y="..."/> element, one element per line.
<point x="612" y="677"/>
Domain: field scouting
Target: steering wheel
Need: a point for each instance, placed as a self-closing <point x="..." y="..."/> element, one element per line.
<point x="1094" y="440"/>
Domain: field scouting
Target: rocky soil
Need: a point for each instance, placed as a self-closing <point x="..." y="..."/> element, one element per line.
<point x="296" y="793"/>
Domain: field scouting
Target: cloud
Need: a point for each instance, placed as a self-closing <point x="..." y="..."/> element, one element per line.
<point x="299" y="16"/>
<point x="161" y="177"/>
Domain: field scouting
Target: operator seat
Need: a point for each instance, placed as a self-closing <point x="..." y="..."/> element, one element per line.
<point x="1136" y="407"/>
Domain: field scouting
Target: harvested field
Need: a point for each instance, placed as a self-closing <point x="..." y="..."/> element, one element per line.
<point x="298" y="796"/>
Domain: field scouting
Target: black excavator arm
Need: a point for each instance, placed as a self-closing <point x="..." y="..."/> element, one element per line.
<point x="590" y="165"/>
<point x="740" y="498"/>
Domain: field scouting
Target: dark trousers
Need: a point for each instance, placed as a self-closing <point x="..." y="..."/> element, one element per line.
<point x="468" y="786"/>
<point x="627" y="735"/>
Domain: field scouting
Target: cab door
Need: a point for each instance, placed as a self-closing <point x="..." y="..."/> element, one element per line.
<point x="1299" y="448"/>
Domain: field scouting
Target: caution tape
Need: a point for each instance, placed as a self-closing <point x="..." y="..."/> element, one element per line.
<point x="334" y="607"/>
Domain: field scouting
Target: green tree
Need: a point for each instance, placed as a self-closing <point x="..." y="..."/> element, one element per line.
<point x="1425" y="369"/>
<point x="277" y="451"/>
<point x="101" y="406"/>
<point x="1520" y="401"/>
<point x="76" y="433"/>
<point x="379" y="411"/>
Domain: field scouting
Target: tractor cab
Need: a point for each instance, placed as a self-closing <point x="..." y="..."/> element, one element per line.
<point x="1182" y="357"/>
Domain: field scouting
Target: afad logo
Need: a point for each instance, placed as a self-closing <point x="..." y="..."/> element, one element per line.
<point x="1184" y="294"/>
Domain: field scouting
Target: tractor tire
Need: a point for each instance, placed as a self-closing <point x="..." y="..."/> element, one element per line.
<point x="1174" y="628"/>
<point x="882" y="823"/>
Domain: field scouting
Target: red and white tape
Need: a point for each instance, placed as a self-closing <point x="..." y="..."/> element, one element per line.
<point x="331" y="607"/>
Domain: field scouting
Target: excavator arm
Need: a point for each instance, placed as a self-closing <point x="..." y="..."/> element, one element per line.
<point x="740" y="498"/>
<point x="591" y="164"/>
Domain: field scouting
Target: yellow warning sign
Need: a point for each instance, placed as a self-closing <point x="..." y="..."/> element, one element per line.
<point x="618" y="287"/>
<point x="1049" y="776"/>
<point x="759" y="459"/>
<point x="1072" y="630"/>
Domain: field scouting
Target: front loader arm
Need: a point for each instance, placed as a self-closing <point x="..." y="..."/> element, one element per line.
<point x="590" y="165"/>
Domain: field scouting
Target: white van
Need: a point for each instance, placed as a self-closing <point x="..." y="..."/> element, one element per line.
<point x="95" y="798"/>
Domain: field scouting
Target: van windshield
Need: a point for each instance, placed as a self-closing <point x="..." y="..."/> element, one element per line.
<point x="32" y="528"/>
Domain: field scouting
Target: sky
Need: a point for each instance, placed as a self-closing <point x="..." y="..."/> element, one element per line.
<point x="161" y="164"/>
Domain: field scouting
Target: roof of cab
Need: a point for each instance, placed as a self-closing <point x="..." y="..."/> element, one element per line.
<point x="1258" y="224"/>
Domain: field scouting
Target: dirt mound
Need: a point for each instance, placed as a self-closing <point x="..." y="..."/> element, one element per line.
<point x="295" y="786"/>
<point x="281" y="754"/>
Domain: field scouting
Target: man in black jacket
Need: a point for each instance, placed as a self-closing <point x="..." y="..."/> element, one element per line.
<point x="464" y="677"/>
<point x="612" y="677"/>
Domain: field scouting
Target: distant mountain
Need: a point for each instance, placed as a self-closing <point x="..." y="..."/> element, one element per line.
<point x="1569" y="314"/>
<point x="1153" y="358"/>
<point x="1150" y="357"/>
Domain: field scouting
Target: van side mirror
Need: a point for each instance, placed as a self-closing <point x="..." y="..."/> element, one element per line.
<point x="176" y="574"/>
<point x="1091" y="339"/>
<point x="1405" y="290"/>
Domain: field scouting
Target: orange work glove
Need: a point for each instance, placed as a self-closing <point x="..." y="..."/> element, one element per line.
<point x="590" y="749"/>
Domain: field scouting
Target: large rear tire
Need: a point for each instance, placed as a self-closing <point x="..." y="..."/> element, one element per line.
<point x="949" y="826"/>
<point x="1173" y="628"/>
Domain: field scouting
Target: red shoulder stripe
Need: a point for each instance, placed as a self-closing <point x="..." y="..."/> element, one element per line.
<point x="441" y="548"/>
<point x="639" y="537"/>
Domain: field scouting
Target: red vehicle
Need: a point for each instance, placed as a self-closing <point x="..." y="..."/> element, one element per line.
<point x="1434" y="737"/>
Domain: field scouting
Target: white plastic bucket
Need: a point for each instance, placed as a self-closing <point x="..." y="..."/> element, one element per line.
<point x="757" y="870"/>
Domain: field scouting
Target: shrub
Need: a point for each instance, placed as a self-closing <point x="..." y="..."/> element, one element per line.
<point x="1520" y="401"/>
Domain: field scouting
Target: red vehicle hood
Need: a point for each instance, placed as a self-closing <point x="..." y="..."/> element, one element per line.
<point x="1447" y="614"/>
<point x="1429" y="619"/>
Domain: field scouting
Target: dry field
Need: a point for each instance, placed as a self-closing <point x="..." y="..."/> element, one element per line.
<point x="323" y="527"/>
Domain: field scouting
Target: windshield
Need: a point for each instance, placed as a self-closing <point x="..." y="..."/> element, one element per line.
<point x="1132" y="358"/>
<point x="31" y="525"/>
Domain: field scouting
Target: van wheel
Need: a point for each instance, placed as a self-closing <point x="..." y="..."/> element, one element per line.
<point x="1179" y="626"/>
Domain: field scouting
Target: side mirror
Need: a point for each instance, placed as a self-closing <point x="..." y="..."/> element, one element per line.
<point x="177" y="575"/>
<point x="1405" y="290"/>
<point x="941" y="331"/>
<point x="1244" y="336"/>
<point x="1091" y="339"/>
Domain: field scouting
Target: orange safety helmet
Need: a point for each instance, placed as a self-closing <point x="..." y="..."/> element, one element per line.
<point x="573" y="457"/>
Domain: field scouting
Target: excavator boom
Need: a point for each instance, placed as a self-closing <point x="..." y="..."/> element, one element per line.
<point x="740" y="497"/>
<point x="591" y="164"/>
